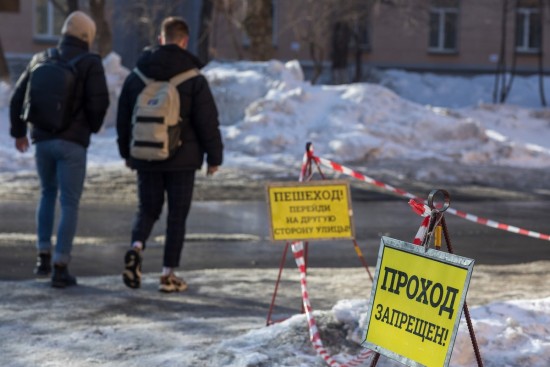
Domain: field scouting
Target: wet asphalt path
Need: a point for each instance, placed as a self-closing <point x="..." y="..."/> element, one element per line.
<point x="235" y="234"/>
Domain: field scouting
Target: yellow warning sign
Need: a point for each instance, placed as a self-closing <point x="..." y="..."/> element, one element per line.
<point x="310" y="210"/>
<point x="416" y="303"/>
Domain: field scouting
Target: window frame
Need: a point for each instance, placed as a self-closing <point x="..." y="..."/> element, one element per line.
<point x="442" y="12"/>
<point x="525" y="13"/>
<point x="49" y="35"/>
<point x="362" y="27"/>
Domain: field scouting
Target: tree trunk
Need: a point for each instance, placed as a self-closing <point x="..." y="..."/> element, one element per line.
<point x="204" y="31"/>
<point x="317" y="56"/>
<point x="4" y="70"/>
<point x="9" y="6"/>
<point x="258" y="25"/>
<point x="72" y="5"/>
<point x="358" y="60"/>
<point x="500" y="75"/>
<point x="341" y="35"/>
<point x="65" y="6"/>
<point x="104" y="36"/>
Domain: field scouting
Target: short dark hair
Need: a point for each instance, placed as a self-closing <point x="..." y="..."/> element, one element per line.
<point x="174" y="29"/>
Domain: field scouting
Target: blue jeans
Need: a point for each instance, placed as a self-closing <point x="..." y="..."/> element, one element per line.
<point x="61" y="166"/>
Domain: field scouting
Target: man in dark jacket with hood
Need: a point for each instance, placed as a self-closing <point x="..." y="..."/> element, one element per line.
<point x="175" y="176"/>
<point x="61" y="156"/>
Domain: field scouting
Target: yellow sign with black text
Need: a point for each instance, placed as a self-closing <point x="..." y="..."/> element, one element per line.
<point x="416" y="303"/>
<point x="310" y="210"/>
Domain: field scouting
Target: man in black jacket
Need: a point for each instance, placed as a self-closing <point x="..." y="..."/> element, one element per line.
<point x="61" y="156"/>
<point x="175" y="176"/>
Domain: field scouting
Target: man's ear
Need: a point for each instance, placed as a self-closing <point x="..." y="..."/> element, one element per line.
<point x="160" y="39"/>
<point x="184" y="42"/>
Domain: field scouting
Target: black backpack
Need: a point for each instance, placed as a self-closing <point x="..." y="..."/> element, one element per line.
<point x="51" y="91"/>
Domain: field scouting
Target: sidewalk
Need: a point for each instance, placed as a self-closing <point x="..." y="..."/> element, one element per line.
<point x="103" y="323"/>
<point x="235" y="234"/>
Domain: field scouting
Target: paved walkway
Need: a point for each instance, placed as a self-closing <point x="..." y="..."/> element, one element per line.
<point x="236" y="235"/>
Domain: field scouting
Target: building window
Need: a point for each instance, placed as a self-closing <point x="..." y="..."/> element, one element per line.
<point x="528" y="29"/>
<point x="361" y="34"/>
<point x="48" y="20"/>
<point x="443" y="29"/>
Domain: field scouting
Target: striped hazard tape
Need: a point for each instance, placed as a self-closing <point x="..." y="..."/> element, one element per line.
<point x="314" y="335"/>
<point x="424" y="211"/>
<point x="458" y="213"/>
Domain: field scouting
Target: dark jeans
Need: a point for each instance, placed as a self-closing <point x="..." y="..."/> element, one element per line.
<point x="178" y="186"/>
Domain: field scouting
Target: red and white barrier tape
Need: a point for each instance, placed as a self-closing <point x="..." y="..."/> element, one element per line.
<point x="314" y="335"/>
<point x="424" y="211"/>
<point x="470" y="217"/>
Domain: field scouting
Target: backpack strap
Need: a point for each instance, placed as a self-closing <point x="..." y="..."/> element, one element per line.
<point x="142" y="76"/>
<point x="77" y="58"/>
<point x="54" y="53"/>
<point x="186" y="75"/>
<point x="175" y="80"/>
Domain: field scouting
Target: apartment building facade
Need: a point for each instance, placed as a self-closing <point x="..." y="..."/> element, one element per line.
<point x="463" y="36"/>
<point x="29" y="26"/>
<point x="459" y="36"/>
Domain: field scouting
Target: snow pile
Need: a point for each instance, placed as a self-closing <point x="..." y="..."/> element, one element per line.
<point x="361" y="123"/>
<point x="236" y="85"/>
<point x="514" y="333"/>
<point x="4" y="94"/>
<point x="115" y="74"/>
<point x="268" y="112"/>
<point x="461" y="91"/>
<point x="223" y="324"/>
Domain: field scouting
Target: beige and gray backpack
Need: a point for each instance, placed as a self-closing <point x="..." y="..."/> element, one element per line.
<point x="156" y="126"/>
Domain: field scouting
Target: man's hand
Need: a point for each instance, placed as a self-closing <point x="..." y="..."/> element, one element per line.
<point x="127" y="163"/>
<point x="211" y="170"/>
<point x="22" y="144"/>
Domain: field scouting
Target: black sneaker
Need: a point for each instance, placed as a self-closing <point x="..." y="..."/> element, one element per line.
<point x="132" y="269"/>
<point x="43" y="266"/>
<point x="61" y="277"/>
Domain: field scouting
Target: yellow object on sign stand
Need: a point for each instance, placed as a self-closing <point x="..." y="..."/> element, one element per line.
<point x="314" y="210"/>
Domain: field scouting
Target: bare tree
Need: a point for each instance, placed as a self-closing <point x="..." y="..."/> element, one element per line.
<point x="331" y="20"/>
<point x="4" y="70"/>
<point x="339" y="28"/>
<point x="104" y="35"/>
<point x="234" y="13"/>
<point x="143" y="17"/>
<point x="504" y="75"/>
<point x="258" y="25"/>
<point x="204" y="30"/>
<point x="65" y="6"/>
<point x="250" y="26"/>
<point x="6" y="6"/>
<point x="312" y="29"/>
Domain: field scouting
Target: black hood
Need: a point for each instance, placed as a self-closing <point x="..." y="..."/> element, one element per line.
<point x="163" y="62"/>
